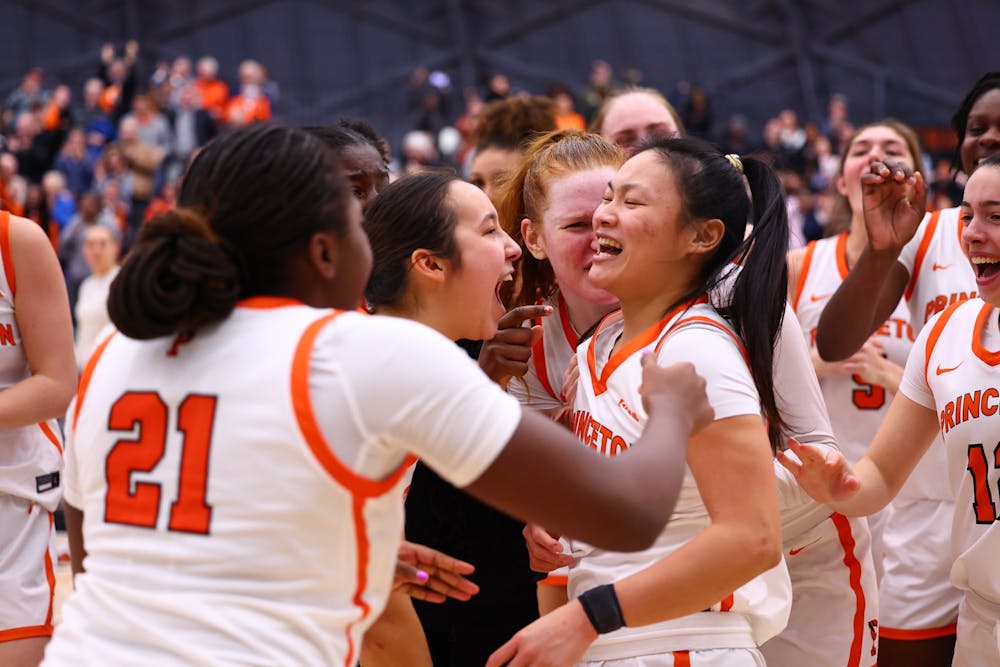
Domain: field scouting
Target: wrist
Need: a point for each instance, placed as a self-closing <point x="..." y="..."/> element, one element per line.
<point x="602" y="609"/>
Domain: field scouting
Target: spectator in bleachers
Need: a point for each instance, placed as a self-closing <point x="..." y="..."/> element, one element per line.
<point x="836" y="118"/>
<point x="113" y="178"/>
<point x="24" y="98"/>
<point x="34" y="205"/>
<point x="214" y="92"/>
<point x="600" y="88"/>
<point x="737" y="139"/>
<point x="75" y="164"/>
<point x="90" y="116"/>
<point x="251" y="104"/>
<point x="567" y="117"/>
<point x="151" y="126"/>
<point x="71" y="257"/>
<point x="59" y="202"/>
<point x="118" y="76"/>
<point x="101" y="246"/>
<point x="114" y="203"/>
<point x="163" y="202"/>
<point x="497" y="88"/>
<point x="144" y="159"/>
<point x="13" y="186"/>
<point x="57" y="116"/>
<point x="32" y="146"/>
<point x="190" y="127"/>
<point x="698" y="114"/>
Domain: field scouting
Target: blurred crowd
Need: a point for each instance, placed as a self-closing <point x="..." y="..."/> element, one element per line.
<point x="112" y="152"/>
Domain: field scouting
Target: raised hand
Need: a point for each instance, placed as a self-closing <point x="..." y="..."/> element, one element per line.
<point x="506" y="355"/>
<point x="894" y="199"/>
<point x="427" y="574"/>
<point x="677" y="388"/>
<point x="823" y="473"/>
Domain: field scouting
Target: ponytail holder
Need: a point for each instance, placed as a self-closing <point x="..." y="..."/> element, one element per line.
<point x="735" y="160"/>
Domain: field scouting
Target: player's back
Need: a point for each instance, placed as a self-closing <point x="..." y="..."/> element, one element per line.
<point x="215" y="513"/>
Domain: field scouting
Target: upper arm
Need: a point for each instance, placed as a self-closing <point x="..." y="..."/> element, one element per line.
<point x="732" y="464"/>
<point x="41" y="307"/>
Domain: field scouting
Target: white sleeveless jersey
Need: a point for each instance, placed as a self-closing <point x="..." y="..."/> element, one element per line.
<point x="541" y="388"/>
<point x="609" y="418"/>
<point x="242" y="491"/>
<point x="954" y="369"/>
<point x="30" y="456"/>
<point x="857" y="408"/>
<point x="940" y="271"/>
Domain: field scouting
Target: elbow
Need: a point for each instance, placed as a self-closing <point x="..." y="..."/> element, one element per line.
<point x="764" y="550"/>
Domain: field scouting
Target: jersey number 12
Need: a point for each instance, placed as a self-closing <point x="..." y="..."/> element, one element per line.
<point x="982" y="503"/>
<point x="140" y="506"/>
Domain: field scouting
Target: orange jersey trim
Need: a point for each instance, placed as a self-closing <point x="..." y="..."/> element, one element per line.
<point x="541" y="369"/>
<point x="555" y="580"/>
<point x="5" y="253"/>
<point x="600" y="382"/>
<point x="854" y="570"/>
<point x="682" y="658"/>
<point x="925" y="243"/>
<point x="935" y="334"/>
<point x="88" y="371"/>
<point x="803" y="274"/>
<point x="44" y="630"/>
<point x="267" y="302"/>
<point x="571" y="336"/>
<point x="991" y="357"/>
<point x="50" y="436"/>
<point x="841" y="254"/>
<point x="916" y="635"/>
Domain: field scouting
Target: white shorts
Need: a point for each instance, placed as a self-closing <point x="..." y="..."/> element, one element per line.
<point x="978" y="641"/>
<point x="834" y="618"/>
<point x="876" y="525"/>
<point x="916" y="598"/>
<point x="27" y="575"/>
<point x="723" y="657"/>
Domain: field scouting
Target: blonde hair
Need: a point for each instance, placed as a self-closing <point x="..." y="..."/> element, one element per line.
<point x="597" y="123"/>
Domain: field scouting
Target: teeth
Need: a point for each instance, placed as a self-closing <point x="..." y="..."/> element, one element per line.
<point x="985" y="260"/>
<point x="608" y="243"/>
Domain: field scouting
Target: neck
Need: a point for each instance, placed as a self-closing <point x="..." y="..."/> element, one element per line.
<point x="584" y="314"/>
<point x="641" y="313"/>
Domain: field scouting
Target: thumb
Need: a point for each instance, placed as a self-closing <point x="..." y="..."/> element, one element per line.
<point x="536" y="334"/>
<point x="648" y="359"/>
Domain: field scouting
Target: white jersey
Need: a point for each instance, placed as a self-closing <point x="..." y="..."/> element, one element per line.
<point x="940" y="272"/>
<point x="30" y="456"/>
<point x="953" y="371"/>
<point x="609" y="418"/>
<point x="242" y="490"/>
<point x="541" y="388"/>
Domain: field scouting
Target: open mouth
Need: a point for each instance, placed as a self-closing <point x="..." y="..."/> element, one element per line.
<point x="608" y="246"/>
<point x="507" y="278"/>
<point x="986" y="267"/>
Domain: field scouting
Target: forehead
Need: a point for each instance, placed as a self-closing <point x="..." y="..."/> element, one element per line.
<point x="361" y="157"/>
<point x="469" y="202"/>
<point x="587" y="185"/>
<point x="495" y="159"/>
<point x="634" y="111"/>
<point x="983" y="185"/>
<point x="878" y="134"/>
<point x="988" y="103"/>
<point x="645" y="169"/>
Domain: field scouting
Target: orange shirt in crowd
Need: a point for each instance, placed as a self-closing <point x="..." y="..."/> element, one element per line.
<point x="214" y="96"/>
<point x="242" y="111"/>
<point x="571" y="121"/>
<point x="156" y="207"/>
<point x="109" y="97"/>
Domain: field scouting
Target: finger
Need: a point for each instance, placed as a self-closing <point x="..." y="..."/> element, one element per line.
<point x="536" y="334"/>
<point x="516" y="316"/>
<point x="408" y="573"/>
<point x="505" y="352"/>
<point x="503" y="655"/>
<point x="537" y="534"/>
<point x="514" y="336"/>
<point x="445" y="563"/>
<point x="421" y="593"/>
<point x="793" y="466"/>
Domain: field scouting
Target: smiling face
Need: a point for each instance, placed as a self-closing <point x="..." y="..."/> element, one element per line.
<point x="980" y="214"/>
<point x="878" y="141"/>
<point x="982" y="131"/>
<point x="486" y="256"/>
<point x="566" y="233"/>
<point x="642" y="239"/>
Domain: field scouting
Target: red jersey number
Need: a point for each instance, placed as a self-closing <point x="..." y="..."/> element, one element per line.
<point x="138" y="504"/>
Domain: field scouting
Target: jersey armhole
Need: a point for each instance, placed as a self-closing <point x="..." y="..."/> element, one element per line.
<point x="800" y="283"/>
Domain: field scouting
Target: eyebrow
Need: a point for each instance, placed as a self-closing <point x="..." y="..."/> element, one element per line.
<point x="989" y="202"/>
<point x="626" y="186"/>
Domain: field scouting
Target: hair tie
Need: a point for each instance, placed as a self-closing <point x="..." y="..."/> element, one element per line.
<point x="735" y="160"/>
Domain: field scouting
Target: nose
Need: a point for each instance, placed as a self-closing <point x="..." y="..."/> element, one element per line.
<point x="972" y="233"/>
<point x="603" y="215"/>
<point x="991" y="137"/>
<point x="511" y="250"/>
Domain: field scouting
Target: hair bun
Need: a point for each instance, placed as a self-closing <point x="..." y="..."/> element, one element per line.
<point x="178" y="277"/>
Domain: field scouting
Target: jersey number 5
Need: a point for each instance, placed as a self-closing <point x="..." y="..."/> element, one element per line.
<point x="867" y="396"/>
<point x="139" y="504"/>
<point x="982" y="504"/>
